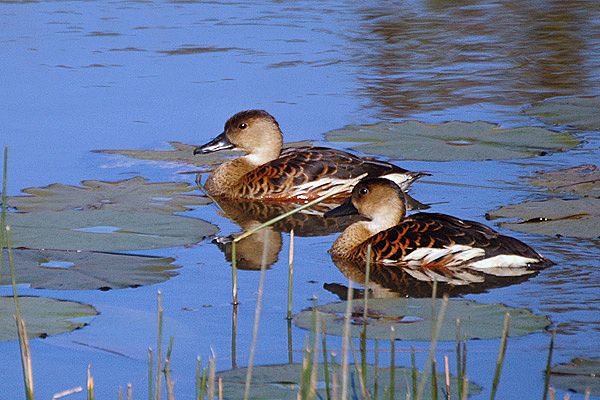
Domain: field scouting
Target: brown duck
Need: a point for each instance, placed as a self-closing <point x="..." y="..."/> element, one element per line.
<point x="266" y="172"/>
<point x="428" y="246"/>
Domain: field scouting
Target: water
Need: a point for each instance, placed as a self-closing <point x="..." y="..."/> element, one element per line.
<point x="79" y="76"/>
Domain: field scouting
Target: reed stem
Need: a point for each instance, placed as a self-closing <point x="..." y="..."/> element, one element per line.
<point x="159" y="327"/>
<point x="257" y="311"/>
<point x="548" y="365"/>
<point x="290" y="275"/>
<point x="345" y="342"/>
<point x="501" y="353"/>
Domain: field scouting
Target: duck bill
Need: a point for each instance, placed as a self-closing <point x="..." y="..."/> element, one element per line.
<point x="219" y="143"/>
<point x="346" y="208"/>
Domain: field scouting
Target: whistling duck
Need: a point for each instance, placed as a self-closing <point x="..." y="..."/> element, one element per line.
<point x="266" y="172"/>
<point x="427" y="245"/>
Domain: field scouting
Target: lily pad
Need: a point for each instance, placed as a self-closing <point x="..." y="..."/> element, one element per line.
<point x="43" y="316"/>
<point x="579" y="375"/>
<point x="574" y="218"/>
<point x="84" y="270"/>
<point x="184" y="154"/>
<point x="455" y="140"/>
<point x="134" y="194"/>
<point x="108" y="231"/>
<point x="579" y="112"/>
<point x="583" y="180"/>
<point x="281" y="381"/>
<point x="412" y="319"/>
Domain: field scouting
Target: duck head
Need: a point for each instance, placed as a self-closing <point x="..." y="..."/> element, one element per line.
<point x="379" y="200"/>
<point x="255" y="132"/>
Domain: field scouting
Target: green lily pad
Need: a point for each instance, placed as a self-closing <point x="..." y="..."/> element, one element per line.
<point x="43" y="316"/>
<point x="583" y="180"/>
<point x="84" y="270"/>
<point x="579" y="112"/>
<point x="579" y="375"/>
<point x="413" y="140"/>
<point x="108" y="231"/>
<point x="184" y="154"/>
<point x="134" y="194"/>
<point x="281" y="381"/>
<point x="574" y="218"/>
<point x="412" y="319"/>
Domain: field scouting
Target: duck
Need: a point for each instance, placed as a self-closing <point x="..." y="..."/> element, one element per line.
<point x="427" y="246"/>
<point x="299" y="174"/>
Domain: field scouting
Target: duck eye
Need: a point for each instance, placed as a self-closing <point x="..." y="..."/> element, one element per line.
<point x="362" y="191"/>
<point x="243" y="125"/>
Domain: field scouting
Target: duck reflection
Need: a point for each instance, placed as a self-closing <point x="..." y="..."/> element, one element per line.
<point x="389" y="281"/>
<point x="265" y="245"/>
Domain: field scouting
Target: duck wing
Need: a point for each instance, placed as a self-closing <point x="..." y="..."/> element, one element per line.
<point x="307" y="172"/>
<point x="443" y="238"/>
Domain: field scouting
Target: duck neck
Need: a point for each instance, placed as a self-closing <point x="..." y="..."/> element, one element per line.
<point x="351" y="238"/>
<point x="359" y="232"/>
<point x="225" y="179"/>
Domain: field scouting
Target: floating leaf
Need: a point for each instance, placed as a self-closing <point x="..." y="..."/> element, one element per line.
<point x="134" y="194"/>
<point x="413" y="140"/>
<point x="281" y="381"/>
<point x="84" y="270"/>
<point x="579" y="112"/>
<point x="43" y="316"/>
<point x="575" y="218"/>
<point x="184" y="154"/>
<point x="579" y="375"/>
<point x="108" y="231"/>
<point x="583" y="180"/>
<point x="412" y="319"/>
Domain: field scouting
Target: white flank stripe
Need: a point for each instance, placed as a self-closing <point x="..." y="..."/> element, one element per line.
<point x="503" y="261"/>
<point x="460" y="254"/>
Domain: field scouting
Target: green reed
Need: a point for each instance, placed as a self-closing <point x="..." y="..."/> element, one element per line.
<point x="501" y="353"/>
<point x="548" y="365"/>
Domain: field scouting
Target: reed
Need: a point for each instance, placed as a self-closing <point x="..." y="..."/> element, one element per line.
<point x="290" y="275"/>
<point x="434" y="382"/>
<point x="257" y="312"/>
<point x="376" y="371"/>
<point x="129" y="391"/>
<point x="501" y="353"/>
<point x="414" y="372"/>
<point x="345" y="342"/>
<point x="212" y="370"/>
<point x="435" y="331"/>
<point x="447" y="376"/>
<point x="150" y="374"/>
<point x="548" y="365"/>
<point x="326" y="365"/>
<point x="168" y="379"/>
<point x="392" y="386"/>
<point x="90" y="383"/>
<point x="234" y="295"/>
<point x="159" y="328"/>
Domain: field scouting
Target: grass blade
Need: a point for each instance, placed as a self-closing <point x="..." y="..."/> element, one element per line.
<point x="290" y="275"/>
<point x="548" y="366"/>
<point x="257" y="311"/>
<point x="501" y="353"/>
<point x="159" y="327"/>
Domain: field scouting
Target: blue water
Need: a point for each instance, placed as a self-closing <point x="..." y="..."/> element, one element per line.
<point x="79" y="76"/>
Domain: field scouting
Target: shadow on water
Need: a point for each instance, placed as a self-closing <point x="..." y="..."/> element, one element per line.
<point x="249" y="214"/>
<point x="439" y="54"/>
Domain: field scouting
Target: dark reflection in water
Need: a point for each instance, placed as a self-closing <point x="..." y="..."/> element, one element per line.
<point x="433" y="55"/>
<point x="265" y="245"/>
<point x="387" y="281"/>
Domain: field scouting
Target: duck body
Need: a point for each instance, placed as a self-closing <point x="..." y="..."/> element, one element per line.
<point x="267" y="173"/>
<point x="427" y="245"/>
